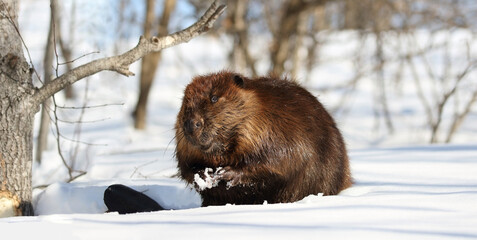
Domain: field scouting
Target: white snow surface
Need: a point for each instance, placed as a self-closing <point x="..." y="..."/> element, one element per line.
<point x="427" y="192"/>
<point x="403" y="188"/>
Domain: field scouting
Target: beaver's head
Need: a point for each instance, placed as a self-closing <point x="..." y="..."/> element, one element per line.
<point x="213" y="108"/>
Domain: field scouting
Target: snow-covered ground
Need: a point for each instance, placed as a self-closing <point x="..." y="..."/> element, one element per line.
<point x="404" y="189"/>
<point x="426" y="192"/>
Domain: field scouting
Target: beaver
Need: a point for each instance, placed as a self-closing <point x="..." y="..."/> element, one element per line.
<point x="247" y="140"/>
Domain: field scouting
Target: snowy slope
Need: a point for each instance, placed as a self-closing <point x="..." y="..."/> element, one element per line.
<point x="399" y="193"/>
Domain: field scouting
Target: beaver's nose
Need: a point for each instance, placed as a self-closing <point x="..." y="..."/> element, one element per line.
<point x="191" y="125"/>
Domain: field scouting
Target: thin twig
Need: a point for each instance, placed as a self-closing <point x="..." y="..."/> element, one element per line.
<point x="77" y="132"/>
<point x="58" y="142"/>
<point x="78" y="58"/>
<point x="91" y="106"/>
<point x="83" y="121"/>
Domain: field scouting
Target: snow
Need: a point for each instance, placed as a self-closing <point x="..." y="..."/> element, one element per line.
<point x="209" y="180"/>
<point x="403" y="188"/>
<point x="426" y="192"/>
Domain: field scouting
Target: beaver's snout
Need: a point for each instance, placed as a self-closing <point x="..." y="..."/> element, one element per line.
<point x="192" y="125"/>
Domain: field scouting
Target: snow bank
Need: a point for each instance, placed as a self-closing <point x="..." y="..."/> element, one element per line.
<point x="399" y="193"/>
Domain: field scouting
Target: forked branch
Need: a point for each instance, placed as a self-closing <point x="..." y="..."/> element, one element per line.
<point x="121" y="63"/>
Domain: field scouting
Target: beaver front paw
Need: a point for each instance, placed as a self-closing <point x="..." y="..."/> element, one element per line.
<point x="205" y="179"/>
<point x="231" y="176"/>
<point x="208" y="178"/>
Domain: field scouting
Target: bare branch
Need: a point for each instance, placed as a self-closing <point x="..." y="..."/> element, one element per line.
<point x="460" y="117"/>
<point x="90" y="106"/>
<point x="76" y="59"/>
<point x="121" y="63"/>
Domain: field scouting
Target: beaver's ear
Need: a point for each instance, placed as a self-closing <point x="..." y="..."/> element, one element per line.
<point x="238" y="80"/>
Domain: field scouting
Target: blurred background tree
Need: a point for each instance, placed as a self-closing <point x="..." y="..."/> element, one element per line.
<point x="287" y="37"/>
<point x="149" y="63"/>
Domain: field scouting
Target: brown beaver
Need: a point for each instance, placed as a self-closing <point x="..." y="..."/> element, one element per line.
<point x="248" y="140"/>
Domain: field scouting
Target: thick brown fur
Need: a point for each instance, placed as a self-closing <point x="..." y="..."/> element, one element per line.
<point x="272" y="140"/>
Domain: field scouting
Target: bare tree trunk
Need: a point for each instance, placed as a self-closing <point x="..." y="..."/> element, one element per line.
<point x="66" y="50"/>
<point x="16" y="117"/>
<point x="20" y="100"/>
<point x="237" y="27"/>
<point x="351" y="11"/>
<point x="287" y="30"/>
<point x="236" y="16"/>
<point x="319" y="23"/>
<point x="460" y="117"/>
<point x="150" y="62"/>
<point x="42" y="141"/>
<point x="301" y="31"/>
<point x="381" y="93"/>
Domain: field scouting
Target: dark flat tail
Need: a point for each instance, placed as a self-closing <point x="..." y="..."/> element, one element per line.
<point x="123" y="199"/>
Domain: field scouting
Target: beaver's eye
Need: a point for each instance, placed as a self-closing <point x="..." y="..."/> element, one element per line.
<point x="214" y="99"/>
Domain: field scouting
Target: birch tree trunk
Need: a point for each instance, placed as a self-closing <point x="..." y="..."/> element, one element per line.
<point x="20" y="100"/>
